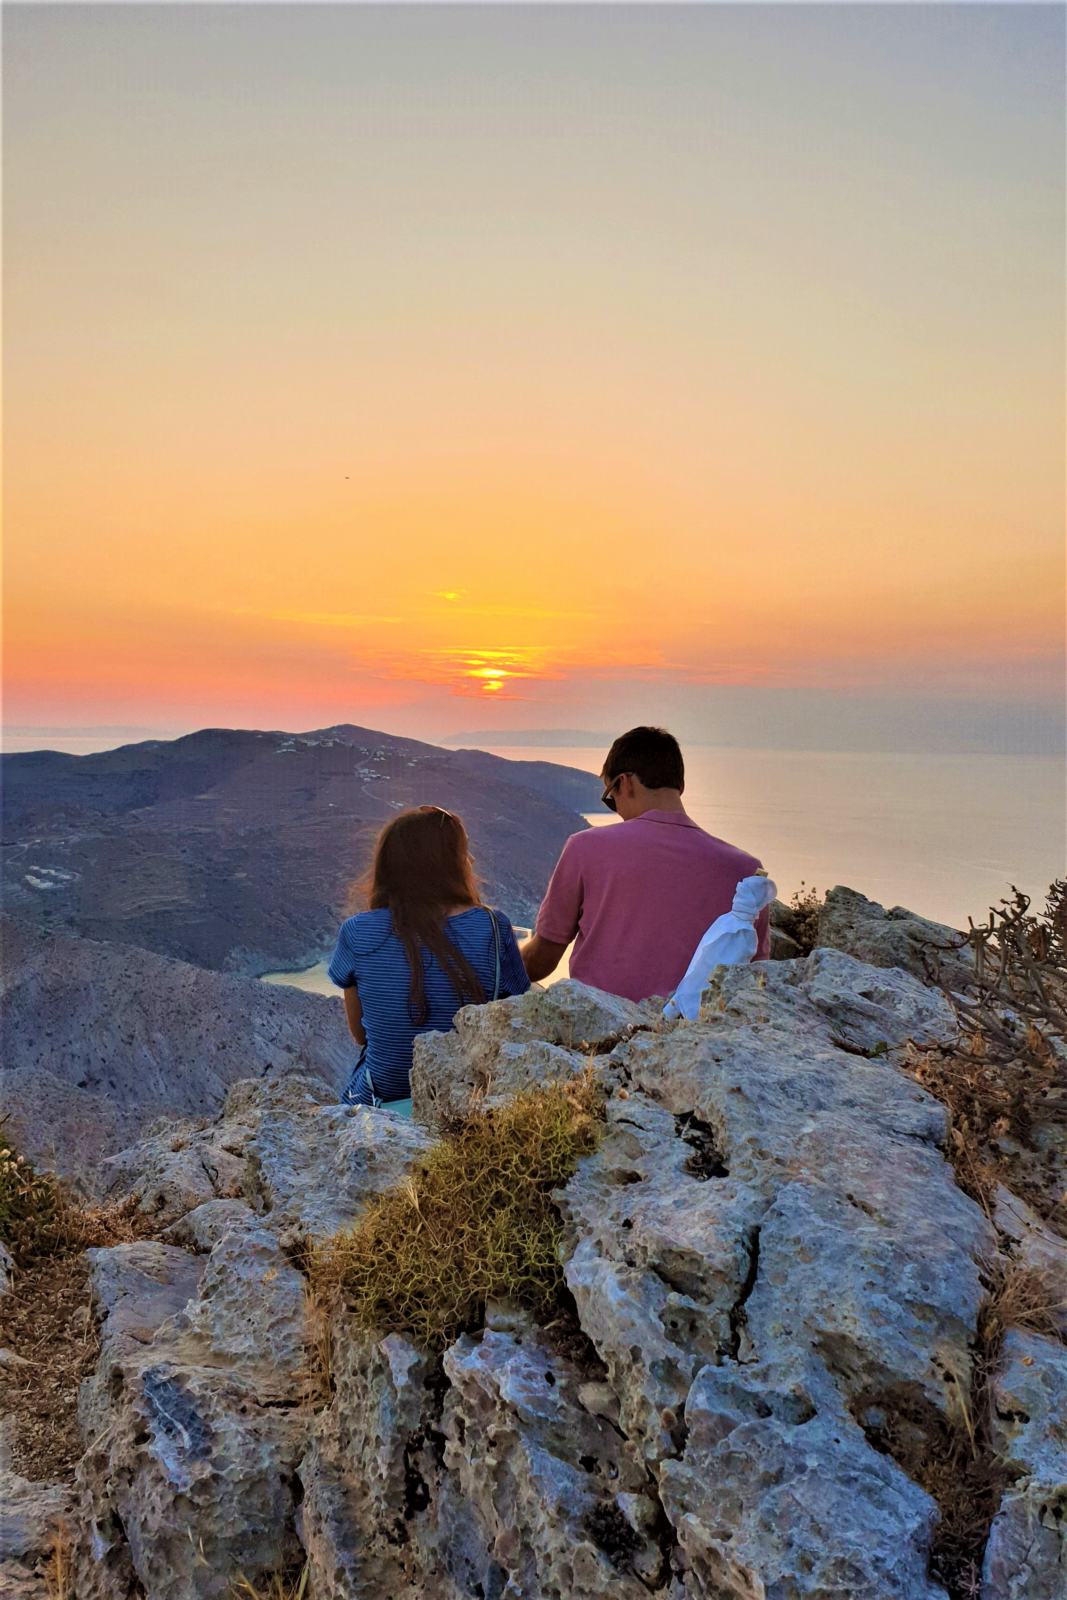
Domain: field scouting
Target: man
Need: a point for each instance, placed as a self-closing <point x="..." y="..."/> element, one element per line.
<point x="638" y="898"/>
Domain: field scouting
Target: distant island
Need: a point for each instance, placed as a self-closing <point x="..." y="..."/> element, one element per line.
<point x="234" y="849"/>
<point x="533" y="738"/>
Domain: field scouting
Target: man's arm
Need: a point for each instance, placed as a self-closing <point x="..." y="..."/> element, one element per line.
<point x="541" y="957"/>
<point x="558" y="918"/>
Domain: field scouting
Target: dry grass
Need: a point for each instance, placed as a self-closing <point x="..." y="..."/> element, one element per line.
<point x="1021" y="1297"/>
<point x="280" y="1586"/>
<point x="59" y="1570"/>
<point x="473" y="1221"/>
<point x="46" y="1320"/>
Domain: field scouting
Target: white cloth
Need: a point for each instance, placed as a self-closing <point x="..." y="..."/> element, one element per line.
<point x="730" y="941"/>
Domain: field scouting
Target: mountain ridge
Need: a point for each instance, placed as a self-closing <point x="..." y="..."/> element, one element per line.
<point x="235" y="848"/>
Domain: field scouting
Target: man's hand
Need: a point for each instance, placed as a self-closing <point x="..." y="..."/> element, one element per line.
<point x="541" y="957"/>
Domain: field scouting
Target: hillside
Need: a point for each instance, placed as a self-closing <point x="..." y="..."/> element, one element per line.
<point x="234" y="850"/>
<point x="99" y="1040"/>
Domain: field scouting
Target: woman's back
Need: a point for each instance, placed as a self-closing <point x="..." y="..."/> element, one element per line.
<point x="370" y="955"/>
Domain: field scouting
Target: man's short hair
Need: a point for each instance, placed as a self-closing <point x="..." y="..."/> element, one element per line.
<point x="651" y="754"/>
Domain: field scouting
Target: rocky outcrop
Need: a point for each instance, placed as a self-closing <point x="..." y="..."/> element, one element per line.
<point x="895" y="938"/>
<point x="204" y="1410"/>
<point x="768" y="1256"/>
<point x="494" y="1051"/>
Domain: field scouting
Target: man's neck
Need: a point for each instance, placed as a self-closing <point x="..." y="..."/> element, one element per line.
<point x="660" y="800"/>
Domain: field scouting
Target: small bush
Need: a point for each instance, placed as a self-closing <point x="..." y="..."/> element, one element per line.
<point x="39" y="1217"/>
<point x="473" y="1221"/>
<point x="806" y="906"/>
<point x="31" y="1206"/>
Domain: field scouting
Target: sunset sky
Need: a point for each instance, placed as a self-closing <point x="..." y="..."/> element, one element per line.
<point x="446" y="368"/>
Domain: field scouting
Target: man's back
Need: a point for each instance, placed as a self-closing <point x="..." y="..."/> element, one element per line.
<point x="639" y="895"/>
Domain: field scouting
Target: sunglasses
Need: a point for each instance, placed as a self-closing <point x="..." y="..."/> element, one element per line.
<point x="608" y="797"/>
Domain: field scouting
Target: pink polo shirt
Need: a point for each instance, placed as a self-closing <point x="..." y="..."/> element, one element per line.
<point x="637" y="897"/>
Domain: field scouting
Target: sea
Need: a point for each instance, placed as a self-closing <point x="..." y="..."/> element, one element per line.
<point x="946" y="835"/>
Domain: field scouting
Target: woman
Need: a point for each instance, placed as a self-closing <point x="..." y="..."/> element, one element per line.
<point x="426" y="947"/>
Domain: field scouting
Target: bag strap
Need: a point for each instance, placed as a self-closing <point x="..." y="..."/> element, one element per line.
<point x="496" y="952"/>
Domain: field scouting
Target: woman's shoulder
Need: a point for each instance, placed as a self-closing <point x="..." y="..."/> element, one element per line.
<point x="366" y="930"/>
<point x="482" y="932"/>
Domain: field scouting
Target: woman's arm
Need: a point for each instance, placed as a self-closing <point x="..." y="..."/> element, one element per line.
<point x="354" y="1013"/>
<point x="513" y="976"/>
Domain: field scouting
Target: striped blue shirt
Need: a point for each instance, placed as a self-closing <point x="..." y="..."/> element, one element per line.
<point x="370" y="955"/>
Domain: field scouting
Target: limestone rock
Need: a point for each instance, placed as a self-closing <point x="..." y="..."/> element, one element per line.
<point x="778" y="1493"/>
<point x="765" y="1251"/>
<point x="284" y="1146"/>
<point x="135" y="1289"/>
<point x="763" y="1193"/>
<point x="177" y="1171"/>
<point x="508" y="1045"/>
<point x="203" y="1227"/>
<point x="249" y="1315"/>
<point x="205" y="1412"/>
<point x="1030" y="1407"/>
<point x="859" y="1007"/>
<point x="541" y="1479"/>
<point x="784" y="927"/>
<point x="33" y="1516"/>
<point x="314" y="1165"/>
<point x="363" y="1475"/>
<point x="783" y="946"/>
<point x="198" y="1439"/>
<point x="446" y="1084"/>
<point x="657" y="1256"/>
<point x="1026" y="1556"/>
<point x="895" y="938"/>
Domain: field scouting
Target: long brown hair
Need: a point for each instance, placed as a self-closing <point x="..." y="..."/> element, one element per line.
<point x="422" y="867"/>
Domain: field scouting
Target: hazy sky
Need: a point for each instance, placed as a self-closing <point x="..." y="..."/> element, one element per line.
<point x="470" y="367"/>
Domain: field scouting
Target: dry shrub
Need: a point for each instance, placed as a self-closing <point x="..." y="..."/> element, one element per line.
<point x="806" y="906"/>
<point x="473" y="1221"/>
<point x="40" y="1217"/>
<point x="1005" y="1079"/>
